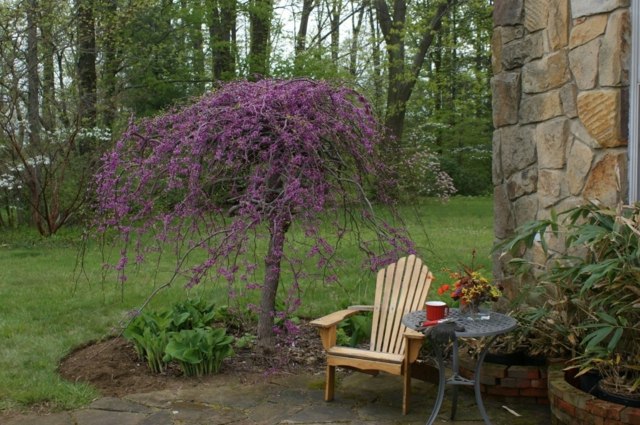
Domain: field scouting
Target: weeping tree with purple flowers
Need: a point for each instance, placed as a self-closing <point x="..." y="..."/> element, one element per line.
<point x="251" y="159"/>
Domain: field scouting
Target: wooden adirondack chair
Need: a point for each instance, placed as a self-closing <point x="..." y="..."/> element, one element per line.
<point x="400" y="287"/>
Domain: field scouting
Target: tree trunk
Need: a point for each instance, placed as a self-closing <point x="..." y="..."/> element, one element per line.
<point x="401" y="80"/>
<point x="33" y="79"/>
<point x="110" y="29"/>
<point x="260" y="12"/>
<point x="376" y="60"/>
<point x="355" y="39"/>
<point x="334" y="18"/>
<point x="272" y="262"/>
<point x="33" y="109"/>
<point x="86" y="65"/>
<point x="48" y="68"/>
<point x="222" y="23"/>
<point x="197" y="45"/>
<point x="301" y="37"/>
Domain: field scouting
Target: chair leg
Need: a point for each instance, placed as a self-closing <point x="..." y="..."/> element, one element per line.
<point x="406" y="393"/>
<point x="329" y="384"/>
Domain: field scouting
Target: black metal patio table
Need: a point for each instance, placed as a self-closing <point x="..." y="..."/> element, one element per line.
<point x="487" y="324"/>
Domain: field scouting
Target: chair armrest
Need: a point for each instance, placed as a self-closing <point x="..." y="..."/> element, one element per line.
<point x="413" y="340"/>
<point x="327" y="324"/>
<point x="361" y="307"/>
<point x="333" y="318"/>
<point x="411" y="334"/>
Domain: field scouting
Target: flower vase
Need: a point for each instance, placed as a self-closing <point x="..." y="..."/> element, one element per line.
<point x="471" y="310"/>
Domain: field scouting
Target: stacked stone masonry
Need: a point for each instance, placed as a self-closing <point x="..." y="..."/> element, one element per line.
<point x="509" y="382"/>
<point x="560" y="107"/>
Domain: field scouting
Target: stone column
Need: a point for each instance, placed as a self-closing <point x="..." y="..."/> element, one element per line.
<point x="560" y="89"/>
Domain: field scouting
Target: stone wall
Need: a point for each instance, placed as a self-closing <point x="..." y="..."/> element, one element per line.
<point x="560" y="105"/>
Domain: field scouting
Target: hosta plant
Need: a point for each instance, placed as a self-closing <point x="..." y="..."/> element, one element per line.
<point x="182" y="333"/>
<point x="193" y="313"/>
<point x="148" y="333"/>
<point x="199" y="351"/>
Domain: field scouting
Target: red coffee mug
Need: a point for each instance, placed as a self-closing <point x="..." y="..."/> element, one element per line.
<point x="436" y="310"/>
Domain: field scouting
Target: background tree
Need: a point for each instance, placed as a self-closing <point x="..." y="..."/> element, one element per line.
<point x="260" y="16"/>
<point x="45" y="172"/>
<point x="33" y="78"/>
<point x="86" y="53"/>
<point x="452" y="108"/>
<point x="222" y="20"/>
<point x="208" y="176"/>
<point x="402" y="74"/>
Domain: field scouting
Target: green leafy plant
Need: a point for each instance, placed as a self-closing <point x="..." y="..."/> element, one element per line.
<point x="355" y="329"/>
<point x="245" y="341"/>
<point x="199" y="351"/>
<point x="193" y="313"/>
<point x="148" y="332"/>
<point x="591" y="289"/>
<point x="182" y="333"/>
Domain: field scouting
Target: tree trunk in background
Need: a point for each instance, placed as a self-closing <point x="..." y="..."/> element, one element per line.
<point x="48" y="67"/>
<point x="191" y="13"/>
<point x="64" y="109"/>
<point x="197" y="45"/>
<point x="353" y="51"/>
<point x="260" y="13"/>
<point x="33" y="112"/>
<point x="33" y="79"/>
<point x="301" y="37"/>
<point x="109" y="24"/>
<point x="402" y="76"/>
<point x="86" y="65"/>
<point x="222" y="16"/>
<point x="334" y="18"/>
<point x="376" y="60"/>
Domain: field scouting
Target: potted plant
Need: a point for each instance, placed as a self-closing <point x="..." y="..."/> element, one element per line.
<point x="588" y="291"/>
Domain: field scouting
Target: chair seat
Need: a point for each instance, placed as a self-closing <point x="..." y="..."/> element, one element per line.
<point x="357" y="353"/>
<point x="365" y="360"/>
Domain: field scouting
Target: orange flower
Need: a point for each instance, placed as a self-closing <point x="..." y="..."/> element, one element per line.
<point x="443" y="289"/>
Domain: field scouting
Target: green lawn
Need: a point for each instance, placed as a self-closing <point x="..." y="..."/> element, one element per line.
<point x="47" y="307"/>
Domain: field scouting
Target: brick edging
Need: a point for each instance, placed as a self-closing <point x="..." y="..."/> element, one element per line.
<point x="505" y="382"/>
<point x="571" y="406"/>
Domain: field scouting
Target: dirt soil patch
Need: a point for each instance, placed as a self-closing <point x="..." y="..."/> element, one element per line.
<point x="113" y="367"/>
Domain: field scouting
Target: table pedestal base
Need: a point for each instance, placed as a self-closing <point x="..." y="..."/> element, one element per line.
<point x="457" y="380"/>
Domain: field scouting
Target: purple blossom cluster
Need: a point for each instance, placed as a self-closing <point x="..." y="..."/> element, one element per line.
<point x="248" y="158"/>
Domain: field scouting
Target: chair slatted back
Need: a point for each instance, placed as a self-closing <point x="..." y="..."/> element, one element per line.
<point x="400" y="287"/>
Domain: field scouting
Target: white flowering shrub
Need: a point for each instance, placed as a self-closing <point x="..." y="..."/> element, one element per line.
<point x="420" y="172"/>
<point x="47" y="180"/>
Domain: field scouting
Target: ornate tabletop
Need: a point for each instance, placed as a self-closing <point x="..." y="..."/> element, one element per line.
<point x="488" y="323"/>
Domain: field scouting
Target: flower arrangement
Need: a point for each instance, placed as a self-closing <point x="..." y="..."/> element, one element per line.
<point x="471" y="288"/>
